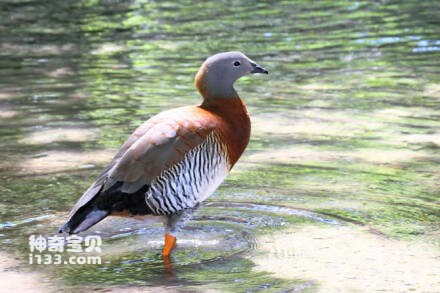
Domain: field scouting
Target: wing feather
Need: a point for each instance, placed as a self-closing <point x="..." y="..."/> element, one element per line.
<point x="155" y="146"/>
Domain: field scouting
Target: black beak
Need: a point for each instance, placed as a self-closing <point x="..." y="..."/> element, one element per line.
<point x="258" y="69"/>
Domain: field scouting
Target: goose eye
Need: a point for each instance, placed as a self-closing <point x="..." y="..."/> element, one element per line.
<point x="237" y="63"/>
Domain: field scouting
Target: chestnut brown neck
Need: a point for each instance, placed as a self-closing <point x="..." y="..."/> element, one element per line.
<point x="235" y="126"/>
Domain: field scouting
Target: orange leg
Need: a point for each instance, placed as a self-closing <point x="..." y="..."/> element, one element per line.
<point x="170" y="243"/>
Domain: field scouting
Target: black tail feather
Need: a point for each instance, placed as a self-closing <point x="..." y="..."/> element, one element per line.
<point x="83" y="220"/>
<point x="104" y="204"/>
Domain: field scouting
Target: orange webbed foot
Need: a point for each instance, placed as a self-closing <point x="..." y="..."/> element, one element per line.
<point x="170" y="243"/>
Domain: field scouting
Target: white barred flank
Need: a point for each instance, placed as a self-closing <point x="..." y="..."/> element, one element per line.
<point x="191" y="181"/>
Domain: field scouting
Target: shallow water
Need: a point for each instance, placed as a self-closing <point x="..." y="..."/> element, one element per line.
<point x="344" y="154"/>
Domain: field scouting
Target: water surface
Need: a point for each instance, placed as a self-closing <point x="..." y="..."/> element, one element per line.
<point x="344" y="154"/>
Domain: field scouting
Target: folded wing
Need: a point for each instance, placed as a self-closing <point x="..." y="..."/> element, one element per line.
<point x="156" y="146"/>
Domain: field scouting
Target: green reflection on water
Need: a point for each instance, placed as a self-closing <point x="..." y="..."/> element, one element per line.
<point x="349" y="111"/>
